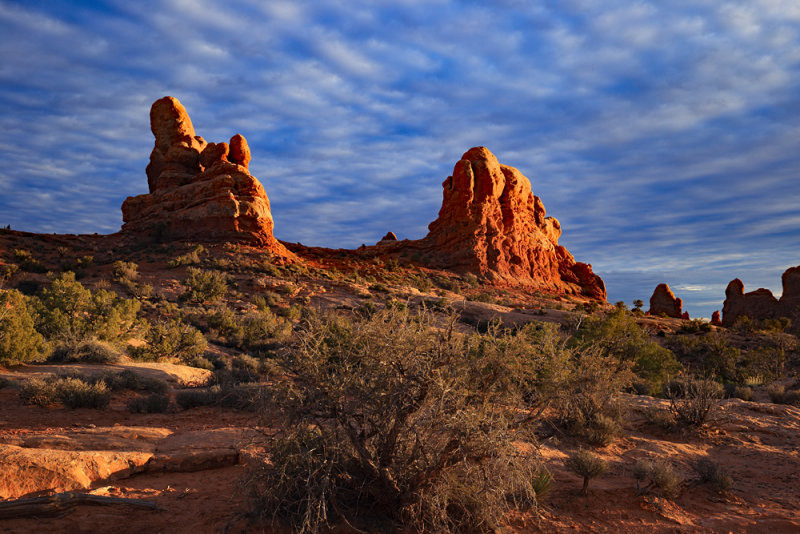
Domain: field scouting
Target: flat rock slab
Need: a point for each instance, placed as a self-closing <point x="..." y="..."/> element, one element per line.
<point x="81" y="458"/>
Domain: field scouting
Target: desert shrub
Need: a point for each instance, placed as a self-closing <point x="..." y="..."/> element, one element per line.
<point x="780" y="395"/>
<point x="77" y="393"/>
<point x="227" y="396"/>
<point x="201" y="362"/>
<point x="588" y="399"/>
<point x="126" y="273"/>
<point x="247" y="366"/>
<point x="251" y="331"/>
<point x="127" y="379"/>
<point x="192" y="398"/>
<point x="659" y="417"/>
<point x="714" y="474"/>
<point x="618" y="335"/>
<point x="712" y="352"/>
<point x="27" y="262"/>
<point x="736" y="391"/>
<point x="68" y="311"/>
<point x="171" y="339"/>
<point x="391" y="416"/>
<point x="204" y="286"/>
<point x="484" y="297"/>
<point x="586" y="465"/>
<point x="659" y="476"/>
<point x="266" y="300"/>
<point x="542" y="484"/>
<point x="125" y="270"/>
<point x="73" y="392"/>
<point x="40" y="391"/>
<point x="292" y="313"/>
<point x="694" y="401"/>
<point x="153" y="403"/>
<point x="695" y="326"/>
<point x="190" y="258"/>
<point x="90" y="351"/>
<point x="19" y="340"/>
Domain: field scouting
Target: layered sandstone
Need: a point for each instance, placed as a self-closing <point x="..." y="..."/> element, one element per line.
<point x="491" y="224"/>
<point x="664" y="301"/>
<point x="199" y="191"/>
<point x="761" y="303"/>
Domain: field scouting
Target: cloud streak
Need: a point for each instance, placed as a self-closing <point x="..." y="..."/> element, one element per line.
<point x="662" y="135"/>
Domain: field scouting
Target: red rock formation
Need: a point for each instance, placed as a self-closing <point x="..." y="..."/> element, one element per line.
<point x="390" y="236"/>
<point x="664" y="301"/>
<point x="685" y="316"/>
<point x="761" y="303"/>
<point x="198" y="191"/>
<point x="491" y="224"/>
<point x="715" y="320"/>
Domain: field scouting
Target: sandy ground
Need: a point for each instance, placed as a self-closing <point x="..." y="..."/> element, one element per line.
<point x="759" y="443"/>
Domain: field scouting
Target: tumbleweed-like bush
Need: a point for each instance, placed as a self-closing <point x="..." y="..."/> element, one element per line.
<point x="394" y="420"/>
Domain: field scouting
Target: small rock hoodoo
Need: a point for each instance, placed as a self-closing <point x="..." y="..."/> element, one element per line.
<point x="198" y="191"/>
<point x="491" y="224"/>
<point x="664" y="301"/>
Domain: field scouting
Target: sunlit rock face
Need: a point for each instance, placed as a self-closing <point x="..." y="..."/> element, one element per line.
<point x="199" y="191"/>
<point x="761" y="303"/>
<point x="664" y="301"/>
<point x="492" y="225"/>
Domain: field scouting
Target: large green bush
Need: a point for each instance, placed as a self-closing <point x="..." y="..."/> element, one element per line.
<point x="204" y="286"/>
<point x="19" y="340"/>
<point x="618" y="335"/>
<point x="68" y="311"/>
<point x="171" y="339"/>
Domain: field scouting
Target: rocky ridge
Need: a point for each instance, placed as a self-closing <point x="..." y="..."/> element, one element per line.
<point x="198" y="191"/>
<point x="761" y="303"/>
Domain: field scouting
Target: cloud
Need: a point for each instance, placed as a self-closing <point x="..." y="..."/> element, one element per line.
<point x="662" y="135"/>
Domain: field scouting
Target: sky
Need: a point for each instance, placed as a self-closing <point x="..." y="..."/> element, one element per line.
<point x="665" y="136"/>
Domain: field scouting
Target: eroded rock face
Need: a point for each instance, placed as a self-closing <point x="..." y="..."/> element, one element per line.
<point x="491" y="224"/>
<point x="198" y="191"/>
<point x="664" y="301"/>
<point x="759" y="304"/>
<point x="715" y="319"/>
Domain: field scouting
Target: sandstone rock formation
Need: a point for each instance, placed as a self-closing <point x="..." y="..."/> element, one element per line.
<point x="390" y="236"/>
<point x="715" y="320"/>
<point x="761" y="303"/>
<point x="198" y="191"/>
<point x="664" y="301"/>
<point x="491" y="224"/>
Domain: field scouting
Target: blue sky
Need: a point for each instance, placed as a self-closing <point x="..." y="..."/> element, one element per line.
<point x="665" y="136"/>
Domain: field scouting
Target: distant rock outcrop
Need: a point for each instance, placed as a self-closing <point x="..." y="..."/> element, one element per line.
<point x="390" y="236"/>
<point x="492" y="225"/>
<point x="715" y="320"/>
<point x="198" y="191"/>
<point x="761" y="303"/>
<point x="664" y="301"/>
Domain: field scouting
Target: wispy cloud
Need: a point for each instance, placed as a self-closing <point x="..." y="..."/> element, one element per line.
<point x="662" y="135"/>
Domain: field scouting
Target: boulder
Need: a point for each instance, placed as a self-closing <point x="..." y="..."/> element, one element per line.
<point x="198" y="191"/>
<point x="664" y="301"/>
<point x="492" y="225"/>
